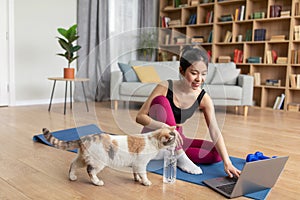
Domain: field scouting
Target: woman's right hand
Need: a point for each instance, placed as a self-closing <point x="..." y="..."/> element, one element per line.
<point x="179" y="140"/>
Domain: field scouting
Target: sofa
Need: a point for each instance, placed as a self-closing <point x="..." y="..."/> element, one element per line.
<point x="224" y="83"/>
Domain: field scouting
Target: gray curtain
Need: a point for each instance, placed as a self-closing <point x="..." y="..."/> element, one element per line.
<point x="148" y="13"/>
<point x="94" y="56"/>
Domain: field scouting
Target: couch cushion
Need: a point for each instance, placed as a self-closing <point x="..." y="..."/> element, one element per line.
<point x="165" y="69"/>
<point x="224" y="91"/>
<point x="136" y="88"/>
<point x="225" y="75"/>
<point x="217" y="77"/>
<point x="128" y="73"/>
<point x="146" y="74"/>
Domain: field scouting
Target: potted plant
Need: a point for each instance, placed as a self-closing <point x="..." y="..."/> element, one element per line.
<point x="69" y="37"/>
<point x="147" y="43"/>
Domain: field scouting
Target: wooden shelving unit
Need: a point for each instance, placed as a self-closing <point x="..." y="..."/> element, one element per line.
<point x="264" y="95"/>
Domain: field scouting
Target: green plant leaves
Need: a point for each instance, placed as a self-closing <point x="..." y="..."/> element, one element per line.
<point x="69" y="36"/>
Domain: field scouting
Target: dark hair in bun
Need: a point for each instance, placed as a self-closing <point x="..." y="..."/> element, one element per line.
<point x="191" y="54"/>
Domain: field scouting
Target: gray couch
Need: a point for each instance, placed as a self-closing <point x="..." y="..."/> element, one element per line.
<point x="224" y="83"/>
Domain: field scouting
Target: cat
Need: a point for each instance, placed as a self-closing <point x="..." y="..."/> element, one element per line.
<point x="100" y="150"/>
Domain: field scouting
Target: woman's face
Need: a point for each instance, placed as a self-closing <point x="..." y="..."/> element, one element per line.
<point x="195" y="74"/>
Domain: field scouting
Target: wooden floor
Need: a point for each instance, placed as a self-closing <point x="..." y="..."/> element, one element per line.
<point x="30" y="170"/>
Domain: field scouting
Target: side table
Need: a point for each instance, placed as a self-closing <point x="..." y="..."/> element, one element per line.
<point x="82" y="80"/>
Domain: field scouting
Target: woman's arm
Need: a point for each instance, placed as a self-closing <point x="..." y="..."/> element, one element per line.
<point x="142" y="116"/>
<point x="215" y="134"/>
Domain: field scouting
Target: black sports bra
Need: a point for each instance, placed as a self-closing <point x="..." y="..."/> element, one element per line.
<point x="181" y="115"/>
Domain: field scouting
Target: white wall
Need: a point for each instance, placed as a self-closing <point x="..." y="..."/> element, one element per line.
<point x="35" y="26"/>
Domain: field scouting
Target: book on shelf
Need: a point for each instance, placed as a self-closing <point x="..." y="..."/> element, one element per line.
<point x="292" y="78"/>
<point x="257" y="15"/>
<point x="273" y="82"/>
<point x="257" y="80"/>
<point x="275" y="10"/>
<point x="224" y="59"/>
<point x="209" y="16"/>
<point x="298" y="81"/>
<point x="271" y="57"/>
<point x="228" y="36"/>
<point x="210" y="37"/>
<point x="177" y="3"/>
<point x="297" y="8"/>
<point x="297" y="32"/>
<point x="226" y="18"/>
<point x="260" y="34"/>
<point x="285" y="13"/>
<point x="197" y="39"/>
<point x="237" y="56"/>
<point x="165" y="21"/>
<point x="276" y="103"/>
<point x="279" y="101"/>
<point x="192" y="19"/>
<point x="167" y="39"/>
<point x="180" y="40"/>
<point x="295" y="56"/>
<point x="282" y="60"/>
<point x="254" y="59"/>
<point x="277" y="38"/>
<point x="240" y="13"/>
<point x="248" y="35"/>
<point x="176" y="22"/>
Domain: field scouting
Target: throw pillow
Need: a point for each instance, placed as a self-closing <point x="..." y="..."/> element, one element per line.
<point x="128" y="73"/>
<point x="211" y="69"/>
<point x="225" y="75"/>
<point x="146" y="74"/>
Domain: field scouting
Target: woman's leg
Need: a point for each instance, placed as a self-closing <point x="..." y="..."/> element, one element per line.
<point x="160" y="110"/>
<point x="201" y="151"/>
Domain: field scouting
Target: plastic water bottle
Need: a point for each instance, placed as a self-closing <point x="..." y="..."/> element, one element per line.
<point x="170" y="165"/>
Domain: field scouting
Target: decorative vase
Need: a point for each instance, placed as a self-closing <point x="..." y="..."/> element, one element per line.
<point x="69" y="73"/>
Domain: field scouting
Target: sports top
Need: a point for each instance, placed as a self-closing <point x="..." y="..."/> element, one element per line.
<point x="181" y="115"/>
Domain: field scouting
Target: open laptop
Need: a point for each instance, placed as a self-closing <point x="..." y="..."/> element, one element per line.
<point x="255" y="176"/>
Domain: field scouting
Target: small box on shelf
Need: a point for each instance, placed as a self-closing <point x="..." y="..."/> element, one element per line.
<point x="273" y="82"/>
<point x="294" y="107"/>
<point x="224" y="59"/>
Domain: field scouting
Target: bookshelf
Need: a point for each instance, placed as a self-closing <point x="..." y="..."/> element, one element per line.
<point x="269" y="42"/>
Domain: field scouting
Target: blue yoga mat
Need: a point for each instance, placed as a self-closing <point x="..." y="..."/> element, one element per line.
<point x="155" y="166"/>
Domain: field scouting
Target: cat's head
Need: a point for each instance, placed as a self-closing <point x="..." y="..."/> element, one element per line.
<point x="165" y="137"/>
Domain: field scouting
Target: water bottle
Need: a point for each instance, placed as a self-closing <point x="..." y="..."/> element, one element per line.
<point x="170" y="165"/>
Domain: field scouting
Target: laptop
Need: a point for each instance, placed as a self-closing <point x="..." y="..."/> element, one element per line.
<point x="255" y="176"/>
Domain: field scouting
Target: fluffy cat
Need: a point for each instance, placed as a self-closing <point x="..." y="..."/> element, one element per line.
<point x="100" y="150"/>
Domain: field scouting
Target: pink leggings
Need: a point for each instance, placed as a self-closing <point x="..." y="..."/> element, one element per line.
<point x="199" y="151"/>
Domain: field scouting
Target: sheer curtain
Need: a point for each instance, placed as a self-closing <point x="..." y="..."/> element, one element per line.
<point x="108" y="31"/>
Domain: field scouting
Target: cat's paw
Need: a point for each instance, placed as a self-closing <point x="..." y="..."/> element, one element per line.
<point x="98" y="183"/>
<point x="72" y="177"/>
<point x="147" y="183"/>
<point x="138" y="179"/>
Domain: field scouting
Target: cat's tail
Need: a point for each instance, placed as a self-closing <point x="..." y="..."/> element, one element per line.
<point x="60" y="144"/>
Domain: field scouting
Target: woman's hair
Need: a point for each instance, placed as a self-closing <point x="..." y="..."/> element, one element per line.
<point x="191" y="54"/>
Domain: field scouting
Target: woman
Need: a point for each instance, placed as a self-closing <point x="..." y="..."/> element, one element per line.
<point x="172" y="102"/>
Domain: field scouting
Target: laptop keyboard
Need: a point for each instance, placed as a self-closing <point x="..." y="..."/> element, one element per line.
<point x="228" y="188"/>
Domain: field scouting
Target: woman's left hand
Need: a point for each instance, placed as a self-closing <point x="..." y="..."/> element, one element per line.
<point x="231" y="170"/>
